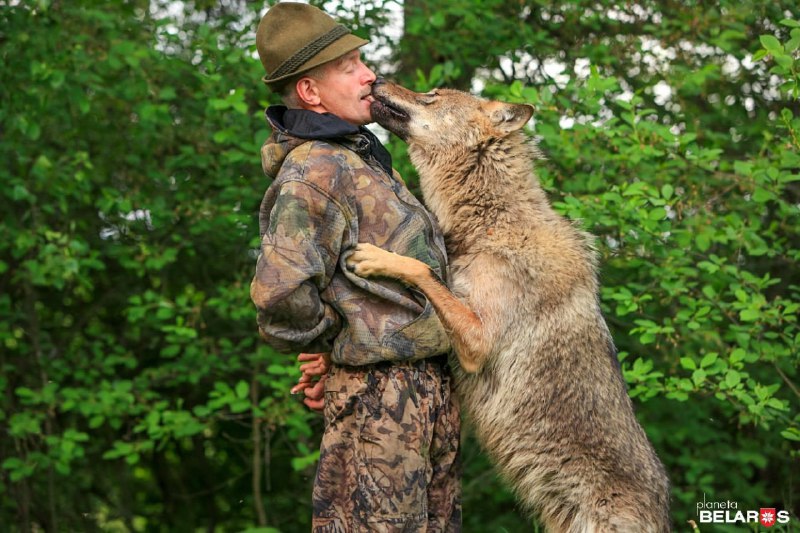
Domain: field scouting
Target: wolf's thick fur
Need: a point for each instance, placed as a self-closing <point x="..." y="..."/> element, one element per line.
<point x="541" y="384"/>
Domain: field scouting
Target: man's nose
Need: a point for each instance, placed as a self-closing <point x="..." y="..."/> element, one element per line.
<point x="370" y="76"/>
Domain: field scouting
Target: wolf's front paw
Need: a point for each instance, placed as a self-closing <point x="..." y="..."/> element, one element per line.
<point x="368" y="260"/>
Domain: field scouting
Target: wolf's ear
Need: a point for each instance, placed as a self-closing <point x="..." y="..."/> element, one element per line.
<point x="508" y="117"/>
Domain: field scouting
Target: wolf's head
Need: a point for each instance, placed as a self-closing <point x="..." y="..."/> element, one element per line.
<point x="444" y="117"/>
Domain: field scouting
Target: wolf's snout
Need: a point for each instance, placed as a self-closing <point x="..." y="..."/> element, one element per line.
<point x="377" y="85"/>
<point x="389" y="108"/>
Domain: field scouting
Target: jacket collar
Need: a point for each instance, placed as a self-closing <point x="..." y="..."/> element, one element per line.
<point x="304" y="124"/>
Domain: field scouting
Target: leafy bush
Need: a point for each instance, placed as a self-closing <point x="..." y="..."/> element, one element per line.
<point x="135" y="392"/>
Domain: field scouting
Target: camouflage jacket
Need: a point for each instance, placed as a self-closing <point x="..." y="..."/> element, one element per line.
<point x="327" y="195"/>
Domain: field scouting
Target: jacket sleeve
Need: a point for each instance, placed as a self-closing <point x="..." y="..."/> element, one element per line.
<point x="299" y="252"/>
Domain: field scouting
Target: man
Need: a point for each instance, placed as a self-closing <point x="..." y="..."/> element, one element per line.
<point x="389" y="456"/>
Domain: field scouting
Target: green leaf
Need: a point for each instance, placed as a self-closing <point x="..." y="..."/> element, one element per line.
<point x="12" y="463"/>
<point x="242" y="389"/>
<point x="770" y="43"/>
<point x="703" y="242"/>
<point x="698" y="377"/>
<point x="737" y="355"/>
<point x="784" y="61"/>
<point x="437" y="19"/>
<point x="732" y="378"/>
<point x="708" y="360"/>
<point x="762" y="195"/>
<point x="760" y="54"/>
<point x="749" y="315"/>
<point x="240" y="406"/>
<point x="775" y="403"/>
<point x="301" y="463"/>
<point x="167" y="93"/>
<point x="277" y="369"/>
<point x="791" y="434"/>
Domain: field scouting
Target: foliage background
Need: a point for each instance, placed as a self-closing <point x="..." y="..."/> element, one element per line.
<point x="134" y="394"/>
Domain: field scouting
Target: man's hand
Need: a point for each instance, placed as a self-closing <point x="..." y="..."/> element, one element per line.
<point x="316" y="366"/>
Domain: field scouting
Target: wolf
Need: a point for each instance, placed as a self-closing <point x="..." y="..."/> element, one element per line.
<point x="539" y="376"/>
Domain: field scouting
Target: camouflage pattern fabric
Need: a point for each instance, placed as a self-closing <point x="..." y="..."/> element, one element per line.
<point x="327" y="197"/>
<point x="390" y="459"/>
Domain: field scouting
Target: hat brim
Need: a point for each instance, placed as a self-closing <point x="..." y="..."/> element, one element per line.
<point x="335" y="50"/>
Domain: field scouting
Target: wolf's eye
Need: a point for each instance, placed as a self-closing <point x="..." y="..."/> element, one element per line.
<point x="429" y="98"/>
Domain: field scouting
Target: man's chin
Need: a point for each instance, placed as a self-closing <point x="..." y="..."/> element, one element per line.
<point x="360" y="121"/>
<point x="365" y="118"/>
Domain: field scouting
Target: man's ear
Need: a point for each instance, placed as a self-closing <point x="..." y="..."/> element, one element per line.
<point x="307" y="91"/>
<point x="508" y="117"/>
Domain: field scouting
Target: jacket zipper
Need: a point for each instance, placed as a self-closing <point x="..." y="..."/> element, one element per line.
<point x="439" y="256"/>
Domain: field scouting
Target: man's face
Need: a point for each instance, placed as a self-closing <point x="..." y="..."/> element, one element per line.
<point x="344" y="89"/>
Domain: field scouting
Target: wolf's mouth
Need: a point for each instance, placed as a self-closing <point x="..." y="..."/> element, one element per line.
<point x="383" y="109"/>
<point x="393" y="116"/>
<point x="394" y="110"/>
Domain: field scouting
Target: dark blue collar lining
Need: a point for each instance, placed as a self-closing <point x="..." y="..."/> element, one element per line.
<point x="305" y="124"/>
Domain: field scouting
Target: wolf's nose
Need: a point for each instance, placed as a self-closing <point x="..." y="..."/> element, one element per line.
<point x="378" y="81"/>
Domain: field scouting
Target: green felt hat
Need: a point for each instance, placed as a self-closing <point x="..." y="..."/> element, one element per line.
<point x="293" y="38"/>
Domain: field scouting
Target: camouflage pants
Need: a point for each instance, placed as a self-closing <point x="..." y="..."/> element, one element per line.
<point x="389" y="459"/>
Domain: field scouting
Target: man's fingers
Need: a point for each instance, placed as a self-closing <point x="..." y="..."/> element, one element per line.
<point x="313" y="369"/>
<point x="315" y="405"/>
<point x="315" y="364"/>
<point x="307" y="382"/>
<point x="317" y="392"/>
<point x="315" y="396"/>
<point x="303" y="357"/>
<point x="300" y="387"/>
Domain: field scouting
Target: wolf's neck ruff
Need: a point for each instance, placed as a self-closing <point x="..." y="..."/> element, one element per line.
<point x="489" y="181"/>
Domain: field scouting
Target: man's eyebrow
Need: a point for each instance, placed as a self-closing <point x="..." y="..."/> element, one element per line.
<point x="348" y="58"/>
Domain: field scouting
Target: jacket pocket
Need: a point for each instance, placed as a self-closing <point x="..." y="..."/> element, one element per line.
<point x="421" y="338"/>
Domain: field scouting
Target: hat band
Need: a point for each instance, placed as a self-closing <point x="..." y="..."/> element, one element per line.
<point x="308" y="51"/>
